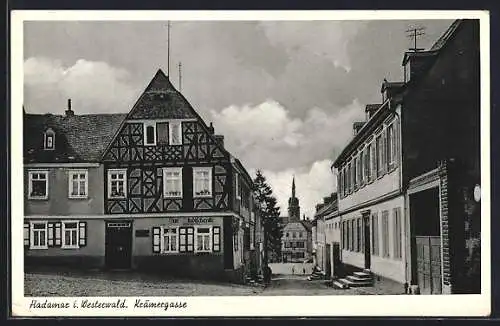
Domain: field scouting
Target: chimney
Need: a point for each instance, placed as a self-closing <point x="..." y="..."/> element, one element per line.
<point x="211" y="129"/>
<point x="220" y="139"/>
<point x="69" y="112"/>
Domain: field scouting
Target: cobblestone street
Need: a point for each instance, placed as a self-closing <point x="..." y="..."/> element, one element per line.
<point x="131" y="284"/>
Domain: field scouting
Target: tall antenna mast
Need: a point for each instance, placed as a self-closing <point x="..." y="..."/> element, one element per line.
<point x="414" y="33"/>
<point x="168" y="48"/>
<point x="180" y="76"/>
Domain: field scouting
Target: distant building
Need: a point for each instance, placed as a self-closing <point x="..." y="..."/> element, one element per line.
<point x="296" y="243"/>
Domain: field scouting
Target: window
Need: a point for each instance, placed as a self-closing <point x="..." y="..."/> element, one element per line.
<point x="390" y="145"/>
<point x="216" y="238"/>
<point x="49" y="139"/>
<point x="237" y="186"/>
<point x="149" y="133"/>
<point x="186" y="239"/>
<point x="169" y="243"/>
<point x="38" y="235"/>
<point x="368" y="162"/>
<point x="354" y="172"/>
<point x="77" y="184"/>
<point x="38" y="187"/>
<point x="175" y="133"/>
<point x="117" y="182"/>
<point x="380" y="155"/>
<point x="287" y="234"/>
<point x="300" y="234"/>
<point x="203" y="239"/>
<point x="162" y="133"/>
<point x="69" y="234"/>
<point x="287" y="244"/>
<point x="359" y="237"/>
<point x="361" y="169"/>
<point x="202" y="182"/>
<point x="172" y="182"/>
<point x="349" y="177"/>
<point x="373" y="162"/>
<point x="294" y="235"/>
<point x="397" y="233"/>
<point x="375" y="234"/>
<point x="385" y="234"/>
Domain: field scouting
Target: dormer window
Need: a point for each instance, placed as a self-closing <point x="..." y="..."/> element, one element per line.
<point x="150" y="133"/>
<point x="49" y="139"/>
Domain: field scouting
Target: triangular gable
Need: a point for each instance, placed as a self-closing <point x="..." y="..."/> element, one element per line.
<point x="160" y="100"/>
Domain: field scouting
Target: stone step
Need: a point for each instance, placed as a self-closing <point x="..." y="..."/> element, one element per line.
<point x="362" y="274"/>
<point x="354" y="284"/>
<point x="339" y="285"/>
<point x="357" y="279"/>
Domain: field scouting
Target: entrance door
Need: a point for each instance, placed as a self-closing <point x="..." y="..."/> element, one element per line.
<point x="118" y="244"/>
<point x="336" y="258"/>
<point x="366" y="234"/>
<point x="429" y="264"/>
<point x="328" y="265"/>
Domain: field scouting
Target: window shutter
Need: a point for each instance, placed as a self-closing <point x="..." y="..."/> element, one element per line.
<point x="57" y="237"/>
<point x="162" y="133"/>
<point x="156" y="239"/>
<point x="190" y="239"/>
<point x="82" y="229"/>
<point x="396" y="142"/>
<point x="50" y="234"/>
<point x="216" y="238"/>
<point x="384" y="151"/>
<point x="26" y="232"/>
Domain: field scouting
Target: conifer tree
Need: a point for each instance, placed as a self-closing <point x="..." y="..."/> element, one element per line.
<point x="270" y="215"/>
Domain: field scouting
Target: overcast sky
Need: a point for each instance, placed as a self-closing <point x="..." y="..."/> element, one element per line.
<point x="283" y="93"/>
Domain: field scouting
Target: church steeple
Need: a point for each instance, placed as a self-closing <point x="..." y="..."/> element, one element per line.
<point x="293" y="205"/>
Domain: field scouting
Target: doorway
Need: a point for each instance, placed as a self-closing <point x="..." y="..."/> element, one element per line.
<point x="328" y="264"/>
<point x="118" y="251"/>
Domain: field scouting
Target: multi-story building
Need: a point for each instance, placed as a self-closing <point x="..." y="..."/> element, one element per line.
<point x="296" y="242"/>
<point x="407" y="178"/>
<point x="159" y="190"/>
<point x="326" y="235"/>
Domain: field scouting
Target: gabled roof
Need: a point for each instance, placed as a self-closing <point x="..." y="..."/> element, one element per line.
<point x="307" y="224"/>
<point x="78" y="138"/>
<point x="160" y="100"/>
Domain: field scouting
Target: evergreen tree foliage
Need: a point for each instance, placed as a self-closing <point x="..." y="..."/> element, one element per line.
<point x="270" y="214"/>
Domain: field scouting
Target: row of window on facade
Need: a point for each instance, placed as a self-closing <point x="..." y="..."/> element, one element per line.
<point x="292" y="244"/>
<point x="155" y="133"/>
<point x="372" y="161"/>
<point x="38" y="187"/>
<point x="353" y="238"/>
<point x="63" y="234"/>
<point x="294" y="234"/>
<point x="294" y="255"/>
<point x="170" y="240"/>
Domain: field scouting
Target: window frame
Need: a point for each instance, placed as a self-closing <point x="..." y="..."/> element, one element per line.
<point x="164" y="174"/>
<point x="32" y="238"/>
<point x="146" y="125"/>
<point x="210" y="183"/>
<point x="49" y="133"/>
<point x="70" y="183"/>
<point x="209" y="235"/>
<point x="386" y="249"/>
<point x="170" y="133"/>
<point x="237" y="185"/>
<point x="170" y="234"/>
<point x="30" y="184"/>
<point x="379" y="144"/>
<point x="116" y="171"/>
<point x="63" y="235"/>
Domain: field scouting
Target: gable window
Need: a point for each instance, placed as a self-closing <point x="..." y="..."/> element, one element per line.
<point x="49" y="139"/>
<point x="78" y="184"/>
<point x="172" y="182"/>
<point x="175" y="133"/>
<point x="38" y="235"/>
<point x="149" y="133"/>
<point x="203" y="239"/>
<point x="169" y="243"/>
<point x="202" y="178"/>
<point x="69" y="234"/>
<point x="117" y="182"/>
<point x="38" y="186"/>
